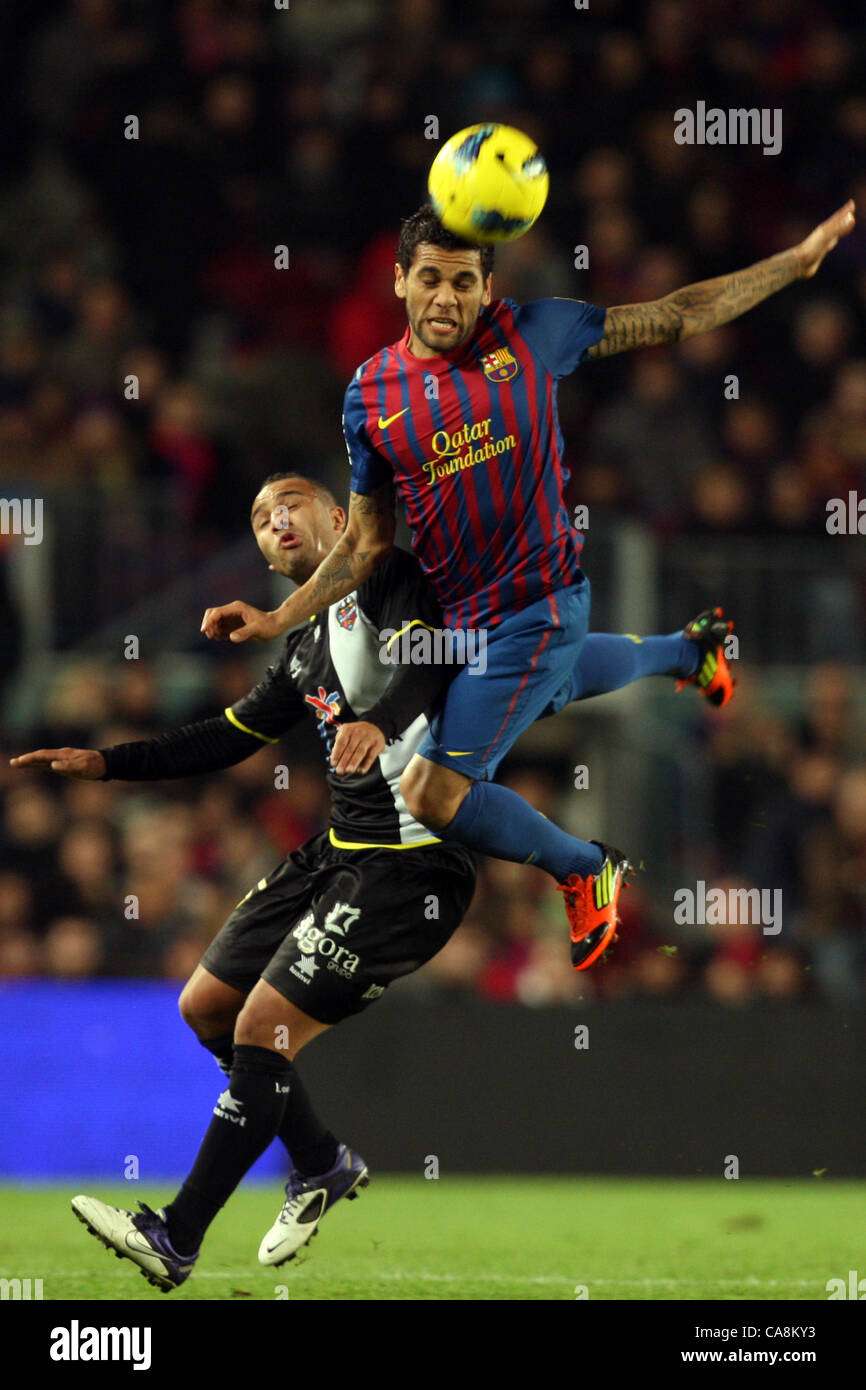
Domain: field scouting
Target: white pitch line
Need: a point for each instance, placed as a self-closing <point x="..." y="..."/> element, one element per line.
<point x="584" y="1279"/>
<point x="431" y="1278"/>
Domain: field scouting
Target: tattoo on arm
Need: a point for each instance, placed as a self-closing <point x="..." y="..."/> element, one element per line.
<point x="380" y="502"/>
<point x="340" y="572"/>
<point x="353" y="558"/>
<point x="696" y="308"/>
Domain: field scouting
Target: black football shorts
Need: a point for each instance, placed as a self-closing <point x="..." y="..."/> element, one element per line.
<point x="330" y="928"/>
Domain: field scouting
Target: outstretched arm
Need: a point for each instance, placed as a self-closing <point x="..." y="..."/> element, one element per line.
<point x="709" y="303"/>
<point x="206" y="746"/>
<point x="367" y="539"/>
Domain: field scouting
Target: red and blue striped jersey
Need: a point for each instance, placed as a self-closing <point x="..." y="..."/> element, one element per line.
<point x="472" y="442"/>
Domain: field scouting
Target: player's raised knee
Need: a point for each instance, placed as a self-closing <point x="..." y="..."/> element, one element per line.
<point x="264" y="1021"/>
<point x="419" y="793"/>
<point x="188" y="1006"/>
<point x="432" y="793"/>
<point x="208" y="1006"/>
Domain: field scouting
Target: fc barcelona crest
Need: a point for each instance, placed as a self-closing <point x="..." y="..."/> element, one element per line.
<point x="347" y="612"/>
<point x="500" y="365"/>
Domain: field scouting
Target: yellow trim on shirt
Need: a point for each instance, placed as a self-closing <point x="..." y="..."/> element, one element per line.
<point x="420" y="623"/>
<point x="233" y="719"/>
<point x="351" y="844"/>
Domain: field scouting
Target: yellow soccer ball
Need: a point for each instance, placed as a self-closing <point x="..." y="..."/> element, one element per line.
<point x="488" y="184"/>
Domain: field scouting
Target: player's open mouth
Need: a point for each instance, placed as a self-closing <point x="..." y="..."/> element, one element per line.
<point x="442" y="325"/>
<point x="288" y="542"/>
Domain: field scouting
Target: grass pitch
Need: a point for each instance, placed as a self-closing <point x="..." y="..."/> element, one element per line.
<point x="491" y="1238"/>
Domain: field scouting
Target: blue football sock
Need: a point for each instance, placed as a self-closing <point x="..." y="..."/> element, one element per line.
<point x="608" y="661"/>
<point x="495" y="820"/>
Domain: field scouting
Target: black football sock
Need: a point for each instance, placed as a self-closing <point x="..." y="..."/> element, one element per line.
<point x="245" y="1120"/>
<point x="312" y="1147"/>
<point x="223" y="1049"/>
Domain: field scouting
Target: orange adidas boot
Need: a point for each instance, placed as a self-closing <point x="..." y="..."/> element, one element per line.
<point x="713" y="676"/>
<point x="590" y="905"/>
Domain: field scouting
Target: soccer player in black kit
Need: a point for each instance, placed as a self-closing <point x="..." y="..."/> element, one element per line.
<point x="324" y="934"/>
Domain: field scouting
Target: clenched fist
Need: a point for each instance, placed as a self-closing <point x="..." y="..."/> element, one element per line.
<point x="239" y="621"/>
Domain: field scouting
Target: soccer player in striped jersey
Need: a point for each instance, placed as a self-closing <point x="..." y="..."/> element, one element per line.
<point x="459" y="420"/>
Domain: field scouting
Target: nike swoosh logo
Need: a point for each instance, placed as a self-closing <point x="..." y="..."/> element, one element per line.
<point x="383" y="424"/>
<point x="140" y="1247"/>
<point x="452" y="754"/>
<point x="140" y="1244"/>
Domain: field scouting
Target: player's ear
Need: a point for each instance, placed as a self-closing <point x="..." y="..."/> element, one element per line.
<point x="488" y="289"/>
<point x="399" y="281"/>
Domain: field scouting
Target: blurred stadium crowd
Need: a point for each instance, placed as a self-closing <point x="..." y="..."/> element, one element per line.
<point x="117" y="878"/>
<point x="261" y="127"/>
<point x="305" y="127"/>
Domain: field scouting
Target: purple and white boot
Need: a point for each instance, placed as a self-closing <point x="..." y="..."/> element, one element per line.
<point x="138" y="1236"/>
<point x="307" y="1200"/>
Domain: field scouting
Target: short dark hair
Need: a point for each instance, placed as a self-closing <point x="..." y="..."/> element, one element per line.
<point x="323" y="493"/>
<point x="424" y="225"/>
